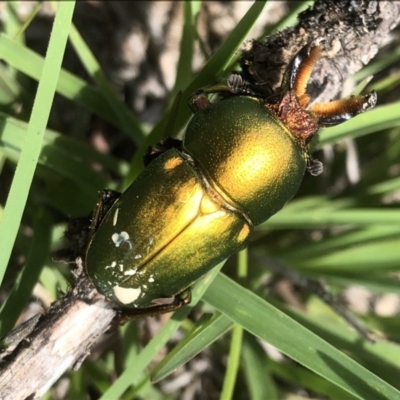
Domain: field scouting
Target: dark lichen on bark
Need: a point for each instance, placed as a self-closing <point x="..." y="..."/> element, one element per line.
<point x="353" y="32"/>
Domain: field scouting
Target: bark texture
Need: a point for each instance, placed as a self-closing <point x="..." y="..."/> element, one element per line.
<point x="61" y="340"/>
<point x="353" y="32"/>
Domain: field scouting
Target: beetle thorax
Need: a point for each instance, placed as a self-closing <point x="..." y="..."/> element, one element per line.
<point x="247" y="154"/>
<point x="301" y="124"/>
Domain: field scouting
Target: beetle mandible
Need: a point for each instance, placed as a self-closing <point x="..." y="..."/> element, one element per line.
<point x="196" y="202"/>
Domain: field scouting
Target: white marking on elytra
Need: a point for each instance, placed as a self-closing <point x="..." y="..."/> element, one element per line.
<point x="130" y="272"/>
<point x="121" y="267"/>
<point x="113" y="264"/>
<point x="151" y="279"/>
<point x="144" y="287"/>
<point x="115" y="218"/>
<point x="126" y="295"/>
<point x="121" y="238"/>
<point x="138" y="256"/>
<point x="151" y="242"/>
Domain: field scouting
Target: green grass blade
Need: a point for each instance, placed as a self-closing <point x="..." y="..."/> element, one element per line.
<point x="304" y="378"/>
<point x="30" y="153"/>
<point x="376" y="283"/>
<point x="380" y="358"/>
<point x="233" y="363"/>
<point x="206" y="332"/>
<point x="351" y="238"/>
<point x="12" y="139"/>
<point x="265" y="321"/>
<point x="68" y="85"/>
<point x="189" y="32"/>
<point x="121" y="112"/>
<point x="325" y="217"/>
<point x="22" y="28"/>
<point x="367" y="257"/>
<point x="257" y="371"/>
<point x="22" y="290"/>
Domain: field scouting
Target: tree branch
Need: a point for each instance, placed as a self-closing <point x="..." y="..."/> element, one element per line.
<point x="60" y="340"/>
<point x="354" y="32"/>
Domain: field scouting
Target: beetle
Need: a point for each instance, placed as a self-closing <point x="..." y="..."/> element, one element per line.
<point x="196" y="202"/>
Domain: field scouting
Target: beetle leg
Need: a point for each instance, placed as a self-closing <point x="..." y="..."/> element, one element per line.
<point x="107" y="198"/>
<point x="175" y="302"/>
<point x="314" y="167"/>
<point x="240" y="86"/>
<point x="338" y="111"/>
<point x="235" y="85"/>
<point x="154" y="151"/>
<point x="81" y="230"/>
<point x="164" y="306"/>
<point x="199" y="101"/>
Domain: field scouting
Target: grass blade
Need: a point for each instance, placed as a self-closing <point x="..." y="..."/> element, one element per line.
<point x="30" y="153"/>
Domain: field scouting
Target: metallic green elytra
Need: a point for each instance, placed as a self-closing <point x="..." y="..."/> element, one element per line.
<point x="196" y="202"/>
<point x="153" y="228"/>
